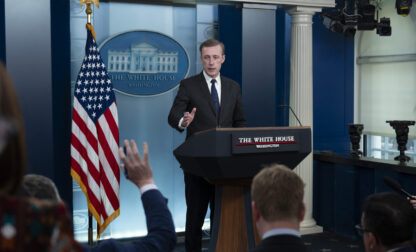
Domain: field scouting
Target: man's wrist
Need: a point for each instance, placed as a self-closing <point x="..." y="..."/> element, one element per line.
<point x="147" y="187"/>
<point x="144" y="182"/>
<point x="180" y="124"/>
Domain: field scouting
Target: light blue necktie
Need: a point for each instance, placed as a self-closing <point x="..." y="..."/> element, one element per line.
<point x="214" y="96"/>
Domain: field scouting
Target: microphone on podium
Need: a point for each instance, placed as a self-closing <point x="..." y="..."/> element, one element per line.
<point x="288" y="106"/>
<point x="396" y="186"/>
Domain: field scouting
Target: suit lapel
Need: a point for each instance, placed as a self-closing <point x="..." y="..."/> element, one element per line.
<point x="224" y="98"/>
<point x="205" y="92"/>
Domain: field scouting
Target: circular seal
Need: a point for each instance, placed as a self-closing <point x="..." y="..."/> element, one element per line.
<point x="144" y="62"/>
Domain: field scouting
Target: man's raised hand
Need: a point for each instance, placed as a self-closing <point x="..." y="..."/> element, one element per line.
<point x="137" y="169"/>
<point x="188" y="118"/>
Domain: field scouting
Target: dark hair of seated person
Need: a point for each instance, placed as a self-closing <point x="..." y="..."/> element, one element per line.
<point x="390" y="217"/>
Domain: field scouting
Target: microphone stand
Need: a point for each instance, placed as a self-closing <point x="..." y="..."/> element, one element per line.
<point x="293" y="112"/>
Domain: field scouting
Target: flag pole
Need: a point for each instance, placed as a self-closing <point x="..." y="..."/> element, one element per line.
<point x="88" y="11"/>
<point x="90" y="239"/>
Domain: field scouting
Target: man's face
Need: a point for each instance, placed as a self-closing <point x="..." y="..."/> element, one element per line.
<point x="212" y="59"/>
<point x="365" y="236"/>
<point x="370" y="242"/>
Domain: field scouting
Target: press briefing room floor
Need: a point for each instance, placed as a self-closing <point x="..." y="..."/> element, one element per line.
<point x="322" y="242"/>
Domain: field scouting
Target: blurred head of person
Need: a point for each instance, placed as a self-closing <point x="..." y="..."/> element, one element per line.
<point x="13" y="151"/>
<point x="277" y="198"/>
<point x="387" y="222"/>
<point x="40" y="187"/>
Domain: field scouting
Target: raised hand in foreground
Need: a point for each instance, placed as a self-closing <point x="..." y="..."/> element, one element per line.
<point x="136" y="168"/>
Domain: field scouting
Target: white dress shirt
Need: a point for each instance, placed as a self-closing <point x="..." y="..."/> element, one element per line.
<point x="281" y="231"/>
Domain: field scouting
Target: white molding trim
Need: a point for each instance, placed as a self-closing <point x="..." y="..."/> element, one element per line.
<point x="315" y="3"/>
<point x="259" y="6"/>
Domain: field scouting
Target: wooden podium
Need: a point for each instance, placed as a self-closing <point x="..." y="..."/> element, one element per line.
<point x="230" y="158"/>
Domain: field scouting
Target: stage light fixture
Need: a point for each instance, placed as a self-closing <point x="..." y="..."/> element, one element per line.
<point x="350" y="23"/>
<point x="383" y="27"/>
<point x="403" y="7"/>
<point x="366" y="19"/>
<point x="338" y="23"/>
<point x="342" y="21"/>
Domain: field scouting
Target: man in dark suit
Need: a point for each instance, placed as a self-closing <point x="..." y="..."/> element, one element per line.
<point x="204" y="101"/>
<point x="387" y="223"/>
<point x="278" y="208"/>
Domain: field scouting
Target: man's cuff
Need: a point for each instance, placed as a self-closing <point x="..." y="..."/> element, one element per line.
<point x="180" y="124"/>
<point x="147" y="187"/>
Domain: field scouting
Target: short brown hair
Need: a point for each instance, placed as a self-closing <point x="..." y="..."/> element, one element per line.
<point x="13" y="157"/>
<point x="211" y="43"/>
<point x="278" y="193"/>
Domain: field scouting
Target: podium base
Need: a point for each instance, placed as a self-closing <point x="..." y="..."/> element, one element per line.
<point x="311" y="230"/>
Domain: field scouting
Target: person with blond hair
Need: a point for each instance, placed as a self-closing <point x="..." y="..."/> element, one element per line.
<point x="278" y="208"/>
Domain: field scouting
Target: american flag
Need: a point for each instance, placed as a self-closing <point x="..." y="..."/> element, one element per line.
<point x="95" y="138"/>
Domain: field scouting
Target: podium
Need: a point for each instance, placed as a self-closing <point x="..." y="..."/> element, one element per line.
<point x="229" y="158"/>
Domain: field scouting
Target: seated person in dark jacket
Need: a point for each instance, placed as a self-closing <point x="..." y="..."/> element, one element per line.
<point x="161" y="231"/>
<point x="278" y="208"/>
<point x="387" y="223"/>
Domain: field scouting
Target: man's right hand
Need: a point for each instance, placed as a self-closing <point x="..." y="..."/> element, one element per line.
<point x="138" y="168"/>
<point x="188" y="118"/>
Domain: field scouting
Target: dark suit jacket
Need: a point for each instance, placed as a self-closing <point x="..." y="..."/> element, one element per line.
<point x="194" y="92"/>
<point x="161" y="231"/>
<point x="283" y="243"/>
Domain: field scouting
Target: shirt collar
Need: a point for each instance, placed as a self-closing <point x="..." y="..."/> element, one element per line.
<point x="208" y="78"/>
<point x="281" y="231"/>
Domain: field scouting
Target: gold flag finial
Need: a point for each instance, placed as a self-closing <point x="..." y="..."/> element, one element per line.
<point x="89" y="10"/>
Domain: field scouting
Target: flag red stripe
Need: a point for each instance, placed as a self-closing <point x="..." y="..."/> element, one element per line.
<point x="114" y="167"/>
<point x="103" y="213"/>
<point x="112" y="197"/>
<point x="83" y="153"/>
<point x="108" y="151"/>
<point x="92" y="140"/>
<point x="91" y="196"/>
<point x="111" y="124"/>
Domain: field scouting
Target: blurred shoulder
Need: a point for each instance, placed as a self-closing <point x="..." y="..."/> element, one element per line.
<point x="41" y="225"/>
